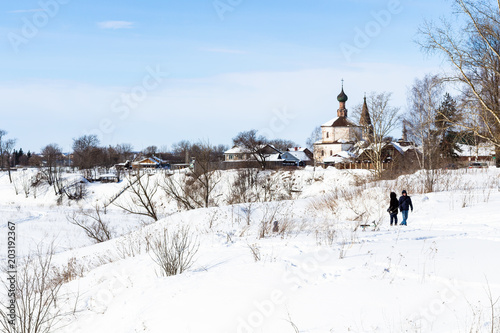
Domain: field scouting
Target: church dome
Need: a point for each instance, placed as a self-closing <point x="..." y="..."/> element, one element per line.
<point x="342" y="97"/>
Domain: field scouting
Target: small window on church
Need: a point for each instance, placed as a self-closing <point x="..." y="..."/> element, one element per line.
<point x="322" y="153"/>
<point x="331" y="153"/>
<point x="327" y="135"/>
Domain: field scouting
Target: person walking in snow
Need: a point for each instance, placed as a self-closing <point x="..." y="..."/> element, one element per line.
<point x="393" y="208"/>
<point x="405" y="205"/>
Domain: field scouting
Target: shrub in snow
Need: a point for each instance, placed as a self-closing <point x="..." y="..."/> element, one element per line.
<point x="174" y="252"/>
<point x="142" y="188"/>
<point x="37" y="286"/>
<point x="92" y="223"/>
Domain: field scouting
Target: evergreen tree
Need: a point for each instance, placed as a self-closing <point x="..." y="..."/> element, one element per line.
<point x="446" y="116"/>
<point x="17" y="156"/>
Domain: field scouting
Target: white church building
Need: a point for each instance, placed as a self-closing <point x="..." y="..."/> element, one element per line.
<point x="340" y="134"/>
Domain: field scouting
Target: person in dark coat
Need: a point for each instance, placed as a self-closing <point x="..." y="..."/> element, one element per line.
<point x="405" y="205"/>
<point x="393" y="208"/>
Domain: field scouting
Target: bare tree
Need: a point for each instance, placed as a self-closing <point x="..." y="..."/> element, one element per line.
<point x="181" y="150"/>
<point x="473" y="50"/>
<point x="142" y="189"/>
<point x="73" y="190"/>
<point x="6" y="147"/>
<point x="124" y="151"/>
<point x="282" y="144"/>
<point x="150" y="150"/>
<point x="206" y="173"/>
<point x="196" y="188"/>
<point x="52" y="155"/>
<point x="24" y="179"/>
<point x="315" y="136"/>
<point x="424" y="99"/>
<point x="256" y="145"/>
<point x="37" y="288"/>
<point x="92" y="222"/>
<point x="86" y="153"/>
<point x="383" y="119"/>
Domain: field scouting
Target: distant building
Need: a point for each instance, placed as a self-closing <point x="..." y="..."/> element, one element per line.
<point x="149" y="163"/>
<point x="297" y="156"/>
<point x="340" y="134"/>
<point x="484" y="152"/>
<point x="238" y="154"/>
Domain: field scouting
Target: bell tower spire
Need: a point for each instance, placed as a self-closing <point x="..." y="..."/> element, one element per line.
<point x="342" y="98"/>
<point x="366" y="122"/>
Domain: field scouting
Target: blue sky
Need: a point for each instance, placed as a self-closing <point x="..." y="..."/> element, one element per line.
<point x="199" y="70"/>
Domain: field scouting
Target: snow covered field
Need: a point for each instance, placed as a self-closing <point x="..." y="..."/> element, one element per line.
<point x="321" y="273"/>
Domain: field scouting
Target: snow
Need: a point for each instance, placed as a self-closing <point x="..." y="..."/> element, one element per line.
<point x="299" y="155"/>
<point x="340" y="157"/>
<point x="330" y="122"/>
<point x="481" y="149"/>
<point x="322" y="274"/>
<point x="237" y="150"/>
<point x="405" y="148"/>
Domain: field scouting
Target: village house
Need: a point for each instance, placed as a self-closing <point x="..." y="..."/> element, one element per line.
<point x="150" y="163"/>
<point x="296" y="156"/>
<point x="482" y="152"/>
<point x="241" y="154"/>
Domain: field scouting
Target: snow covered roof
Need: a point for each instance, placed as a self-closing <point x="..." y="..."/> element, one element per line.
<point x="340" y="157"/>
<point x="243" y="150"/>
<point x="149" y="161"/>
<point x="237" y="150"/>
<point x="107" y="175"/>
<point x="482" y="149"/>
<point x="297" y="149"/>
<point x="345" y="154"/>
<point x="360" y="148"/>
<point x="333" y="159"/>
<point x="339" y="122"/>
<point x="295" y="155"/>
<point x="273" y="157"/>
<point x="403" y="148"/>
<point x="343" y="141"/>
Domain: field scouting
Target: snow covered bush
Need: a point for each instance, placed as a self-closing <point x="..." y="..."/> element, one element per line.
<point x="174" y="252"/>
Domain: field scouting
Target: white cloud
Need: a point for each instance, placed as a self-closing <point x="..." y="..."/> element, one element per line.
<point x="222" y="50"/>
<point x="214" y="108"/>
<point x="26" y="10"/>
<point x="115" y="24"/>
